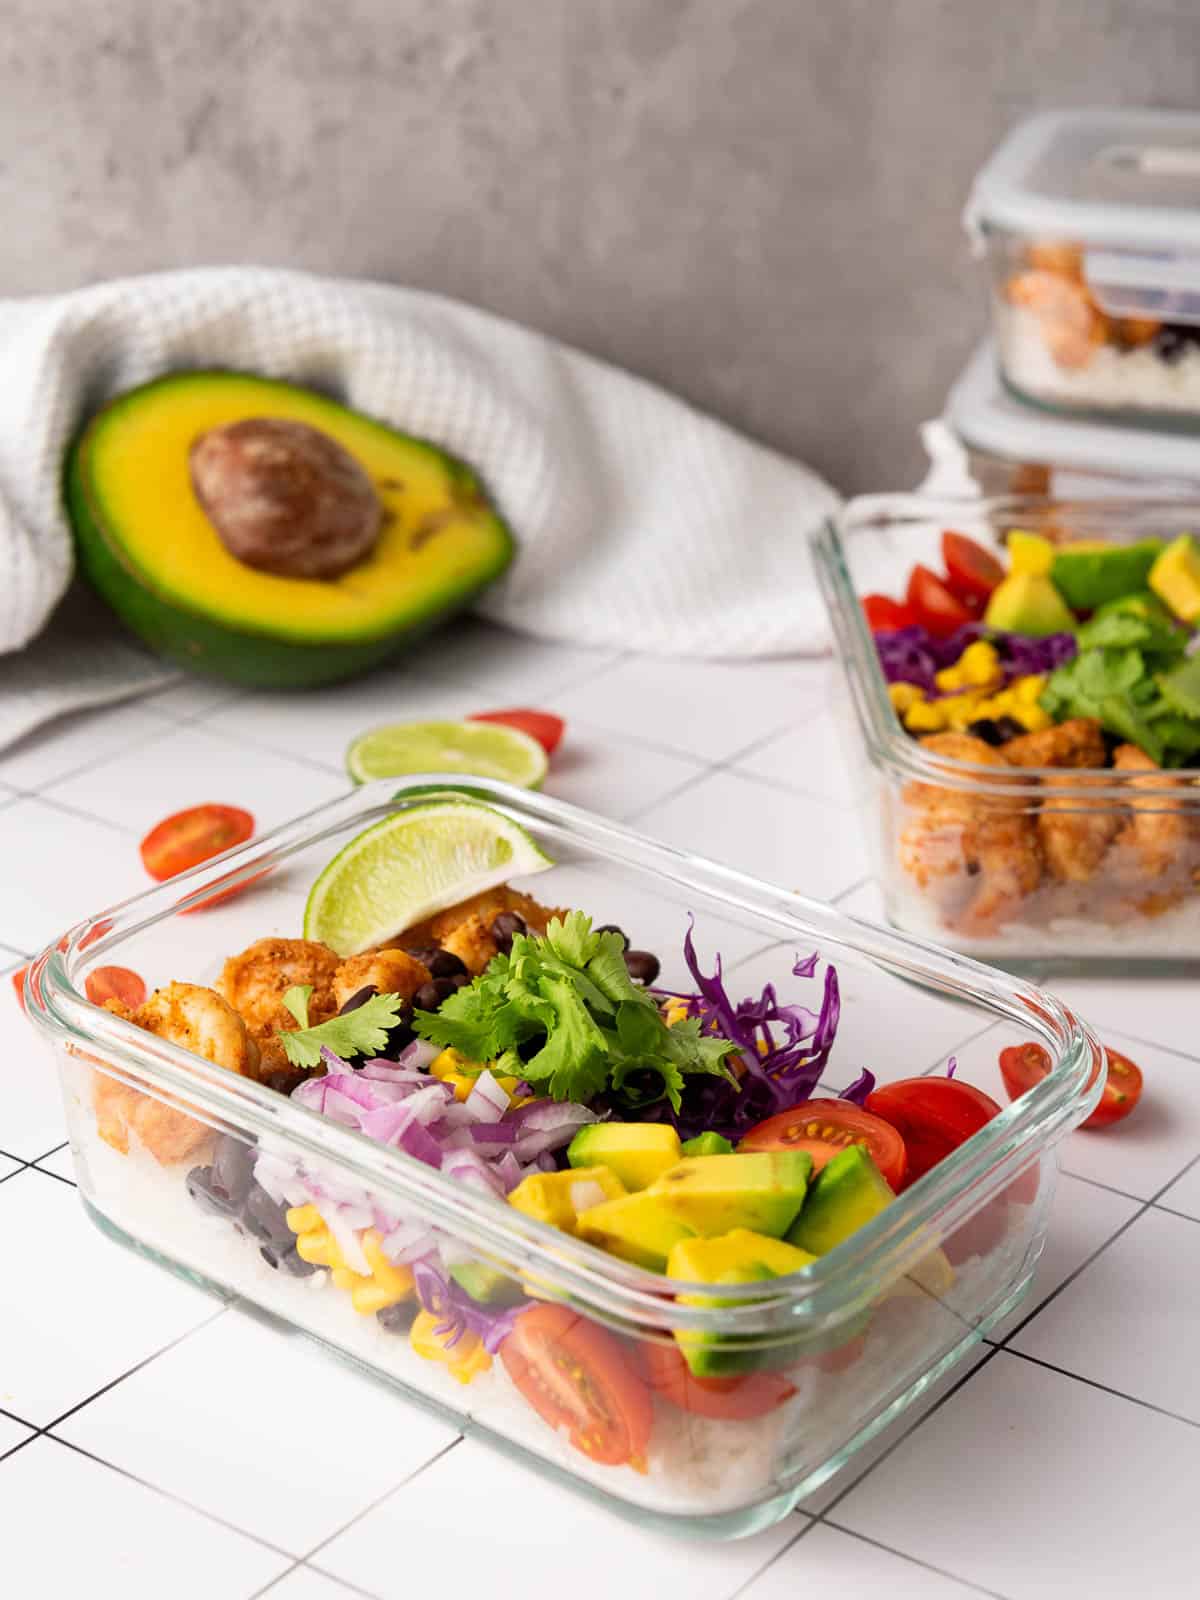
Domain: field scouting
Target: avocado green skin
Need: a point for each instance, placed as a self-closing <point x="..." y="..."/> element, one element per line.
<point x="486" y="1284"/>
<point x="204" y="645"/>
<point x="1087" y="579"/>
<point x="706" y="1144"/>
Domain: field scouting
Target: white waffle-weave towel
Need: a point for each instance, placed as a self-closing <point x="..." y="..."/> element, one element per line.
<point x="640" y="522"/>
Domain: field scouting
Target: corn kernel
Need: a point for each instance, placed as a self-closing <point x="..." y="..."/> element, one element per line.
<point x="979" y="664"/>
<point x="904" y="696"/>
<point x="949" y="678"/>
<point x="1033" y="718"/>
<point x="677" y="1010"/>
<point x="926" y="717"/>
<point x="1028" y="690"/>
<point x="960" y="710"/>
<point x="465" y="1359"/>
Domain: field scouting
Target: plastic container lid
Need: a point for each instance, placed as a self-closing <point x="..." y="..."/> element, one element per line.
<point x="988" y="419"/>
<point x="1117" y="178"/>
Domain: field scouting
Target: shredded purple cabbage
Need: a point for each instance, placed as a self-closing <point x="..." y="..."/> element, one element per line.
<point x="914" y="655"/>
<point x="457" y="1312"/>
<point x="783" y="1051"/>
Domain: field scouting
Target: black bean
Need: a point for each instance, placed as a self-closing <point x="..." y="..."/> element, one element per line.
<point x="285" y="1079"/>
<point x="290" y="1260"/>
<point x="200" y="1187"/>
<point x="504" y="927"/>
<point x="641" y="966"/>
<point x="267" y="1220"/>
<point x="430" y="995"/>
<point x="232" y="1170"/>
<point x="426" y="954"/>
<point x="446" y="965"/>
<point x="1010" y="728"/>
<point x="987" y="729"/>
<point x="611" y="927"/>
<point x="397" y="1318"/>
<point x="358" y="998"/>
<point x="460" y="980"/>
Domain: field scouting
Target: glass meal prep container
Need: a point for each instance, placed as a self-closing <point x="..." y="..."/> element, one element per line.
<point x="1013" y="448"/>
<point x="846" y="1344"/>
<point x="926" y="810"/>
<point x="1090" y="221"/>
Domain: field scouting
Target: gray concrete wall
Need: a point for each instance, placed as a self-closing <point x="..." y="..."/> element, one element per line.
<point x="755" y="202"/>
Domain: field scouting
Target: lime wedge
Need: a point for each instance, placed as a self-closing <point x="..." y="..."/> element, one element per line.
<point x="412" y="865"/>
<point x="477" y="749"/>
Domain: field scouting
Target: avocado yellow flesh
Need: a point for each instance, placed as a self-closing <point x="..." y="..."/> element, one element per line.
<point x="758" y="1190"/>
<point x="638" y="1152"/>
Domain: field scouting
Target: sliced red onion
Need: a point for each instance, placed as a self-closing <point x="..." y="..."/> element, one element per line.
<point x="415" y="1141"/>
<point x="347" y="1240"/>
<point x="382" y="1071"/>
<point x="408" y="1241"/>
<point x="429" y="1104"/>
<point x="494" y="1135"/>
<point x="487" y="1101"/>
<point x="456" y="1139"/>
<point x="470" y="1168"/>
<point x="508" y="1169"/>
<point x="333" y="1062"/>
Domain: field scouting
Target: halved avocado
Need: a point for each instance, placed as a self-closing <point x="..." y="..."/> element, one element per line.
<point x="149" y="548"/>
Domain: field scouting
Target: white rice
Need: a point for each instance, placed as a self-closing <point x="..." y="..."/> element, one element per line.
<point x="1116" y="379"/>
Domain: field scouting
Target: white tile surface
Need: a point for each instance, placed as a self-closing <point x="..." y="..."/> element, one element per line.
<point x="529" y="1524"/>
<point x="1131" y="1320"/>
<point x="602" y="773"/>
<point x="322" y="722"/>
<point x="12" y="1433"/>
<point x="827" y="1561"/>
<point x="276" y="1438"/>
<point x="190" y="697"/>
<point x="31" y="1113"/>
<point x="304" y="1583"/>
<point x="58" y="869"/>
<point x="491" y="661"/>
<point x="708" y="709"/>
<point x="193" y="766"/>
<point x="59" y="1162"/>
<point x="8" y="1166"/>
<point x="787" y="839"/>
<point x="1184" y="1194"/>
<point x="810" y="758"/>
<point x="97" y="1311"/>
<point x="1010" y="1486"/>
<point x="78" y="741"/>
<point x="1160" y="1009"/>
<point x="117" y="1538"/>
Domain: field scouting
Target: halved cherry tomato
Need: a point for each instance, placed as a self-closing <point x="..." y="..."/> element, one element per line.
<point x="1023" y="1065"/>
<point x="115" y="983"/>
<point x="543" y="726"/>
<point x="18" y="983"/>
<point x="933" y="1116"/>
<point x="933" y="605"/>
<point x="971" y="571"/>
<point x="189" y="837"/>
<point x="572" y="1372"/>
<point x="823" y="1127"/>
<point x="883" y="614"/>
<point x="734" y="1399"/>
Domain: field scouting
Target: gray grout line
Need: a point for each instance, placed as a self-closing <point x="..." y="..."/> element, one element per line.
<point x="165" y="1494"/>
<point x="927" y="1566"/>
<point x="13" y="1417"/>
<point x="53" y="1151"/>
<point x="1184" y="1216"/>
<point x="307" y="1557"/>
<point x="689" y="782"/>
<point x="1109" y="1188"/>
<point x="783" y="1550"/>
<point x="1104" y="1388"/>
<point x="45" y="799"/>
<point x="21" y="1444"/>
<point x="303" y="1566"/>
<point x="122" y="747"/>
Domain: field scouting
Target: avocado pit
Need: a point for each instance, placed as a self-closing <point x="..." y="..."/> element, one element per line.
<point x="285" y="498"/>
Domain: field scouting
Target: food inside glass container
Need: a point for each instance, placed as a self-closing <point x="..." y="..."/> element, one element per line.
<point x="1053" y="670"/>
<point x="534" y="1058"/>
<point x="1059" y="344"/>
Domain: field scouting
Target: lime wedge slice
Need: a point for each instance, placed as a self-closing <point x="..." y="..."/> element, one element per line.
<point x="412" y="865"/>
<point x="477" y="749"/>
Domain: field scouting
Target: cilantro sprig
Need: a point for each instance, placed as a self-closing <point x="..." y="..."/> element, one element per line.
<point x="362" y="1032"/>
<point x="562" y="1013"/>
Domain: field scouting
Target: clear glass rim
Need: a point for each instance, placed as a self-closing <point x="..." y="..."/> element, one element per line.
<point x="888" y="744"/>
<point x="833" y="1286"/>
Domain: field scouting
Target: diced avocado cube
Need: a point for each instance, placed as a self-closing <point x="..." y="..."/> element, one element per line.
<point x="638" y="1152"/>
<point x="762" y="1190"/>
<point x="1029" y="552"/>
<point x="1145" y="607"/>
<point x="1088" y="575"/>
<point x="706" y="1144"/>
<point x="559" y="1197"/>
<point x="845" y="1195"/>
<point x="487" y="1284"/>
<point x="636" y="1227"/>
<point x="1175" y="578"/>
<point x="740" y="1257"/>
<point x="1029" y="603"/>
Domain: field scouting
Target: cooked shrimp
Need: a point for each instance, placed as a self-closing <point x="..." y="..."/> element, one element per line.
<point x="1071" y="323"/>
<point x="255" y="982"/>
<point x="385" y="971"/>
<point x="1075" y="832"/>
<point x="1157" y="830"/>
<point x="199" y="1020"/>
<point x="986" y="834"/>
<point x="1077" y="743"/>
<point x="466" y="929"/>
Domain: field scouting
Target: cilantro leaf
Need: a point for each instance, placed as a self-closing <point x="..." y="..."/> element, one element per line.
<point x="573" y="1062"/>
<point x="571" y="938"/>
<point x="296" y="1000"/>
<point x="607" y="970"/>
<point x="363" y="1032"/>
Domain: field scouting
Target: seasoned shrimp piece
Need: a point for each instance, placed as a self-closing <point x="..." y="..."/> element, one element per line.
<point x="1077" y="743"/>
<point x="199" y="1020"/>
<point x="988" y="835"/>
<point x="1071" y="323"/>
<point x="466" y="929"/>
<point x="255" y="982"/>
<point x="385" y="971"/>
<point x="1157" y="831"/>
<point x="1075" y="832"/>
